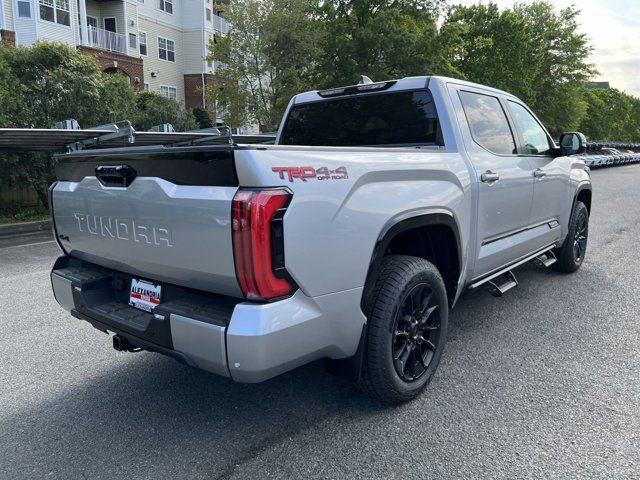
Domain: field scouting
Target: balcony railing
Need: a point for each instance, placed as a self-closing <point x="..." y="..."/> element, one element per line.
<point x="106" y="40"/>
<point x="220" y="24"/>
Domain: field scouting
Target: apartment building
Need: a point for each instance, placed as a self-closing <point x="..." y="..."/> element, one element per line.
<point x="159" y="45"/>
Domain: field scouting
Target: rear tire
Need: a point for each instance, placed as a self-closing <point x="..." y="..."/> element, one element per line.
<point x="571" y="254"/>
<point x="407" y="329"/>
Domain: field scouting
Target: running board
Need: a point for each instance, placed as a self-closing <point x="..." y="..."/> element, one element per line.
<point x="501" y="284"/>
<point x="545" y="259"/>
<point x="510" y="267"/>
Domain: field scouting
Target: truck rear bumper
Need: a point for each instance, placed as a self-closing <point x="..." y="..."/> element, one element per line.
<point x="248" y="342"/>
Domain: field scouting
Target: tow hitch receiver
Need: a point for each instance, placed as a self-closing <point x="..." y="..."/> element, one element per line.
<point x="121" y="344"/>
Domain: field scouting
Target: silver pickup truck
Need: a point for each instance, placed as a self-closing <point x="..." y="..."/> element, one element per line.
<point x="349" y="239"/>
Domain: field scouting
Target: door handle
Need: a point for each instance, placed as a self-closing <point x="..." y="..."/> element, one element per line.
<point x="539" y="173"/>
<point x="489" y="177"/>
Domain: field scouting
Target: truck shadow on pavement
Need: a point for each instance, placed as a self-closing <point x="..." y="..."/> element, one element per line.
<point x="156" y="418"/>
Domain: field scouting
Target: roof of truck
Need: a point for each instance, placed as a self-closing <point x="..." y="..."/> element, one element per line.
<point x="406" y="83"/>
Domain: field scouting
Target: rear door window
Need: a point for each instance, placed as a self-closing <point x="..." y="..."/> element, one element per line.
<point x="488" y="123"/>
<point x="384" y="119"/>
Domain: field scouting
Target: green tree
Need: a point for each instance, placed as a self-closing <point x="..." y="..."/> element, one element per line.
<point x="48" y="82"/>
<point x="383" y="39"/>
<point x="611" y="115"/>
<point x="202" y="117"/>
<point x="51" y="82"/>
<point x="154" y="109"/>
<point x="533" y="51"/>
<point x="269" y="55"/>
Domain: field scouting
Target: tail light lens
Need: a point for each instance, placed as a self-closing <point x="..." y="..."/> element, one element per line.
<point x="258" y="243"/>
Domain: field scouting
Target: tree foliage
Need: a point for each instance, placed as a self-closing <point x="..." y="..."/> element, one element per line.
<point x="154" y="109"/>
<point x="202" y="117"/>
<point x="277" y="48"/>
<point x="611" y="115"/>
<point x="269" y="55"/>
<point x="533" y="51"/>
<point x="383" y="39"/>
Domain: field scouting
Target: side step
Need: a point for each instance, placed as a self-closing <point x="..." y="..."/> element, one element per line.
<point x="501" y="284"/>
<point x="545" y="259"/>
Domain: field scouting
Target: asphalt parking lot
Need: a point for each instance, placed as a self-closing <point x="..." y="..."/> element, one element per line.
<point x="542" y="383"/>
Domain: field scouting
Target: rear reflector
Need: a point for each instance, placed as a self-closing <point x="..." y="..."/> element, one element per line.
<point x="253" y="242"/>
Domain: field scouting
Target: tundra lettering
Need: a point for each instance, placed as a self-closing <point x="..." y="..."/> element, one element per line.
<point x="124" y="229"/>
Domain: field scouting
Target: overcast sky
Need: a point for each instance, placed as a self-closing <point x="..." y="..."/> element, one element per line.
<point x="613" y="27"/>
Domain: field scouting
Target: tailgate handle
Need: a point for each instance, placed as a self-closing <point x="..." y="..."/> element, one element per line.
<point x="115" y="175"/>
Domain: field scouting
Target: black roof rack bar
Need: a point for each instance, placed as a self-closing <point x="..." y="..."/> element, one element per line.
<point x="113" y="135"/>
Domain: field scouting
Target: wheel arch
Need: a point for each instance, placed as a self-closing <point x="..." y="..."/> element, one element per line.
<point x="434" y="232"/>
<point x="583" y="194"/>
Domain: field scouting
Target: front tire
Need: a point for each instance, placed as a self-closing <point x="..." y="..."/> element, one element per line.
<point x="571" y="254"/>
<point x="407" y="329"/>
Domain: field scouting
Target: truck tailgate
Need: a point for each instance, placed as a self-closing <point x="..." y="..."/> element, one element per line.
<point x="159" y="215"/>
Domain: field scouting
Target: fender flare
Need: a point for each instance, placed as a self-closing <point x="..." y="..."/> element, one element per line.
<point x="402" y="223"/>
<point x="581" y="187"/>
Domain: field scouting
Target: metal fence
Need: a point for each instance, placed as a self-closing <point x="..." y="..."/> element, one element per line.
<point x="19" y="195"/>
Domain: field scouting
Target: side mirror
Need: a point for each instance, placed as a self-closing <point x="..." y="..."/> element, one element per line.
<point x="572" y="143"/>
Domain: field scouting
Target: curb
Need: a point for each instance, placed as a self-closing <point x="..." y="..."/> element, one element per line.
<point x="24" y="228"/>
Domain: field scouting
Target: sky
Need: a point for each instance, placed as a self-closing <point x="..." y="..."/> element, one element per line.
<point x="613" y="28"/>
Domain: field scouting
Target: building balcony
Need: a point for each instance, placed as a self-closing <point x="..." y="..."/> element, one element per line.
<point x="105" y="40"/>
<point x="219" y="24"/>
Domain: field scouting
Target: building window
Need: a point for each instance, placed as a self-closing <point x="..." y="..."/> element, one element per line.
<point x="145" y="86"/>
<point x="166" y="49"/>
<point x="142" y="42"/>
<point x="110" y="24"/>
<point x="56" y="11"/>
<point x="208" y="14"/>
<point x="133" y="40"/>
<point x="166" y="6"/>
<point x="169" y="92"/>
<point x="92" y="21"/>
<point x="47" y="11"/>
<point x="62" y="12"/>
<point x="24" y="9"/>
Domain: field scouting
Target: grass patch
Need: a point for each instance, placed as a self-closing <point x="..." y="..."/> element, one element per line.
<point x="23" y="214"/>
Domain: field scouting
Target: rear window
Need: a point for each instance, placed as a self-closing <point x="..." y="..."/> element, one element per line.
<point x="398" y="118"/>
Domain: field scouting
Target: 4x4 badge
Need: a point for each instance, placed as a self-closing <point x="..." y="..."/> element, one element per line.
<point x="304" y="173"/>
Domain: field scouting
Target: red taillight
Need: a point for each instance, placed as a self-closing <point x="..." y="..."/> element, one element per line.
<point x="253" y="212"/>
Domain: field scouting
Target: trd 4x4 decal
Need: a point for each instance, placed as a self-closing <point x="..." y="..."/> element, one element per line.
<point x="303" y="173"/>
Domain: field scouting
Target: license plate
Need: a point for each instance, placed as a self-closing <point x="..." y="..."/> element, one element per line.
<point x="144" y="295"/>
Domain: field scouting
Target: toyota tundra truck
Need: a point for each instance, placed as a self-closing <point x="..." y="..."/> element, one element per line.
<point x="348" y="239"/>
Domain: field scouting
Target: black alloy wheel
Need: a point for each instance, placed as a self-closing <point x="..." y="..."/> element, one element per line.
<point x="406" y="329"/>
<point x="416" y="333"/>
<point x="580" y="237"/>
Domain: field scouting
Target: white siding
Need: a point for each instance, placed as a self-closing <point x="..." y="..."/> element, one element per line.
<point x="167" y="73"/>
<point x="25" y="28"/>
<point x="131" y="19"/>
<point x="7" y="12"/>
<point x="192" y="51"/>
<point x="193" y="13"/>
